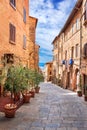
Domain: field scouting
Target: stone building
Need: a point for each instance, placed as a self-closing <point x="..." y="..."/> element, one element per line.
<point x="14" y="34"/>
<point x="37" y="57"/>
<point x="48" y="71"/>
<point x="17" y="35"/>
<point x="33" y="47"/>
<point x="72" y="48"/>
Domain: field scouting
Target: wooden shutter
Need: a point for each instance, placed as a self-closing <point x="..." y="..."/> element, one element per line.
<point x="12" y="33"/>
<point x="85" y="50"/>
<point x="24" y="41"/>
<point x="24" y="15"/>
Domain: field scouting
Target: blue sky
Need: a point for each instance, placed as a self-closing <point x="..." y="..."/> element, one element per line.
<point x="51" y="15"/>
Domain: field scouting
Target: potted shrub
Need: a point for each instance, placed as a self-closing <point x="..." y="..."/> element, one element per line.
<point x="14" y="81"/>
<point x="10" y="110"/>
<point x="12" y="84"/>
<point x="79" y="90"/>
<point x="79" y="93"/>
<point x="31" y="78"/>
<point x="85" y="94"/>
<point x="38" y="79"/>
<point x="17" y="82"/>
<point x="25" y="86"/>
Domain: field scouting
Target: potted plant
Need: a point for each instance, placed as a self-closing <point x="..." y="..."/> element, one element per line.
<point x="25" y="85"/>
<point x="85" y="94"/>
<point x="38" y="79"/>
<point x="12" y="83"/>
<point x="79" y="89"/>
<point x="31" y="78"/>
<point x="10" y="110"/>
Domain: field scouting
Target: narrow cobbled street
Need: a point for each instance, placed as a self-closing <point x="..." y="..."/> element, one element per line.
<point x="52" y="109"/>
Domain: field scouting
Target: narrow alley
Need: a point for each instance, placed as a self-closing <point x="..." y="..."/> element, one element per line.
<point x="52" y="109"/>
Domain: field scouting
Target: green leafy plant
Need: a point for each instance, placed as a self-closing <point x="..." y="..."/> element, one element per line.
<point x="38" y="78"/>
<point x="16" y="79"/>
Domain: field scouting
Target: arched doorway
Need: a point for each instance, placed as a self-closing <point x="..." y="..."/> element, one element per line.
<point x="74" y="86"/>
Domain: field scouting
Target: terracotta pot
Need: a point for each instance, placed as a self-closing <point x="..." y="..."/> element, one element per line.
<point x="10" y="110"/>
<point x="85" y="97"/>
<point x="37" y="89"/>
<point x="32" y="92"/>
<point x="79" y="93"/>
<point x="16" y="96"/>
<point x="26" y="97"/>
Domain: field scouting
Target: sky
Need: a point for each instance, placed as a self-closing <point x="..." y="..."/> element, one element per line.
<point x="51" y="15"/>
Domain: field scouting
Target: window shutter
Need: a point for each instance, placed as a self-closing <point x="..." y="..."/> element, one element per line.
<point x="86" y="10"/>
<point x="85" y="50"/>
<point x="24" y="15"/>
<point x="12" y="33"/>
<point x="24" y="41"/>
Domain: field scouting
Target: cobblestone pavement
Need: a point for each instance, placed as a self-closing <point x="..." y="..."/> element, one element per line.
<point x="52" y="109"/>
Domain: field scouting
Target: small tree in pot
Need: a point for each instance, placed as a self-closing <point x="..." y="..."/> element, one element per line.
<point x="13" y="83"/>
<point x="38" y="78"/>
<point x="79" y="86"/>
<point x="85" y="94"/>
<point x="25" y="87"/>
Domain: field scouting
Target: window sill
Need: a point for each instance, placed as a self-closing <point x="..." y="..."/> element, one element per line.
<point x="24" y="48"/>
<point x="12" y="42"/>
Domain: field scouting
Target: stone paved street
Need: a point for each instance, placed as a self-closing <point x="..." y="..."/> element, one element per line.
<point x="52" y="109"/>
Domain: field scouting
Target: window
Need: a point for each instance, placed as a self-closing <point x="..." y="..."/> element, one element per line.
<point x="77" y="49"/>
<point x="12" y="31"/>
<point x="77" y="24"/>
<point x="24" y="41"/>
<point x="13" y="3"/>
<point x="66" y="63"/>
<point x="85" y="11"/>
<point x="72" y="28"/>
<point x="85" y="50"/>
<point x="72" y="52"/>
<point x="65" y="55"/>
<point x="24" y="15"/>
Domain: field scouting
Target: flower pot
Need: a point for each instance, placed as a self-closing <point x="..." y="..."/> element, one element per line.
<point x="85" y="97"/>
<point x="26" y="98"/>
<point x="16" y="96"/>
<point x="37" y="89"/>
<point x="79" y="93"/>
<point x="10" y="110"/>
<point x="32" y="92"/>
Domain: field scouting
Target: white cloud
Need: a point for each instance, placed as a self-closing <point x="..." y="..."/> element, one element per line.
<point x="50" y="21"/>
